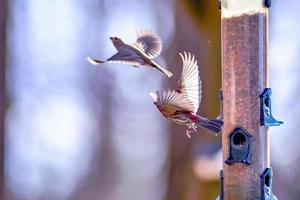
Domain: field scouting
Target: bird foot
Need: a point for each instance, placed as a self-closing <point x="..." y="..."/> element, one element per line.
<point x="192" y="127"/>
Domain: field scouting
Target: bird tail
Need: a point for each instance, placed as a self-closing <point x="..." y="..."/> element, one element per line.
<point x="94" y="61"/>
<point x="213" y="125"/>
<point x="165" y="71"/>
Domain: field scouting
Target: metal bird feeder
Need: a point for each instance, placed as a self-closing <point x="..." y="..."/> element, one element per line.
<point x="246" y="103"/>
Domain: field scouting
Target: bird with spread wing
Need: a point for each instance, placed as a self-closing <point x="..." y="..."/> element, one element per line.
<point x="181" y="105"/>
<point x="147" y="46"/>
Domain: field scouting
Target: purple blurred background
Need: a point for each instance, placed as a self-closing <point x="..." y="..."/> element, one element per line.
<point x="74" y="131"/>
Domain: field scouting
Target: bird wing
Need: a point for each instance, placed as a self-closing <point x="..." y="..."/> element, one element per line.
<point x="126" y="57"/>
<point x="190" y="84"/>
<point x="172" y="101"/>
<point x="94" y="61"/>
<point x="149" y="42"/>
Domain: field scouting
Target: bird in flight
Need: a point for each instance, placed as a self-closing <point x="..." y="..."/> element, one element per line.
<point x="181" y="105"/>
<point x="147" y="46"/>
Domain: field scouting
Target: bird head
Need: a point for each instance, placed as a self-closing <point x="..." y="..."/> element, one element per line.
<point x="117" y="42"/>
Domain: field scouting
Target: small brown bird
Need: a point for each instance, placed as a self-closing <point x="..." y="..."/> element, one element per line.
<point x="181" y="105"/>
<point x="147" y="46"/>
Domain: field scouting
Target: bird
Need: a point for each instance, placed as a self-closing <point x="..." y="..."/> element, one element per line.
<point x="181" y="105"/>
<point x="147" y="46"/>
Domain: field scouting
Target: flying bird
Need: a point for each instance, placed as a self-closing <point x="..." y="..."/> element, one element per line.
<point x="181" y="105"/>
<point x="147" y="46"/>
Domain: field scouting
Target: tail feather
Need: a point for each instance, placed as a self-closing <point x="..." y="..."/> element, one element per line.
<point x="213" y="125"/>
<point x="165" y="71"/>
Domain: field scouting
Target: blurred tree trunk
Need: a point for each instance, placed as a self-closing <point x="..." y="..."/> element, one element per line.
<point x="3" y="99"/>
<point x="98" y="183"/>
<point x="202" y="38"/>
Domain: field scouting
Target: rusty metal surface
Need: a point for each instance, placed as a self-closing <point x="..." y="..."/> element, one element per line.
<point x="244" y="74"/>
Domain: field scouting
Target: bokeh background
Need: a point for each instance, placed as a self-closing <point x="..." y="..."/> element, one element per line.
<point x="72" y="131"/>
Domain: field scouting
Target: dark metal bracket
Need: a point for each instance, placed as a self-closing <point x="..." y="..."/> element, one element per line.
<point x="266" y="117"/>
<point x="219" y="4"/>
<point x="220" y="94"/>
<point x="266" y="185"/>
<point x="221" y="196"/>
<point x="268" y="3"/>
<point x="239" y="147"/>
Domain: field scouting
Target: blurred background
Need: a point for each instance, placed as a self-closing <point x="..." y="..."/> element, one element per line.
<point x="73" y="131"/>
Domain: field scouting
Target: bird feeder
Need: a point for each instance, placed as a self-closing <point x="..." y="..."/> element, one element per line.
<point x="246" y="101"/>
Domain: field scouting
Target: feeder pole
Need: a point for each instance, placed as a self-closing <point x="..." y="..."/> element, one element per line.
<point x="246" y="171"/>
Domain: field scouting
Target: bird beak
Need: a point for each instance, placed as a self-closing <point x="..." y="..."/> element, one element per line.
<point x="111" y="38"/>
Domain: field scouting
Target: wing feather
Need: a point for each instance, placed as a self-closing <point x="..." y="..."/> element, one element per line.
<point x="190" y="84"/>
<point x="149" y="42"/>
<point x="125" y="57"/>
<point x="94" y="61"/>
<point x="171" y="98"/>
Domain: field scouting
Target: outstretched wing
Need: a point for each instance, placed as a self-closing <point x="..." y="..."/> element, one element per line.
<point x="126" y="57"/>
<point x="149" y="42"/>
<point x="190" y="83"/>
<point x="117" y="58"/>
<point x="94" y="61"/>
<point x="172" y="101"/>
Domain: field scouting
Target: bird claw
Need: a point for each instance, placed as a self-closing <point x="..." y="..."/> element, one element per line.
<point x="188" y="131"/>
<point x="192" y="127"/>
